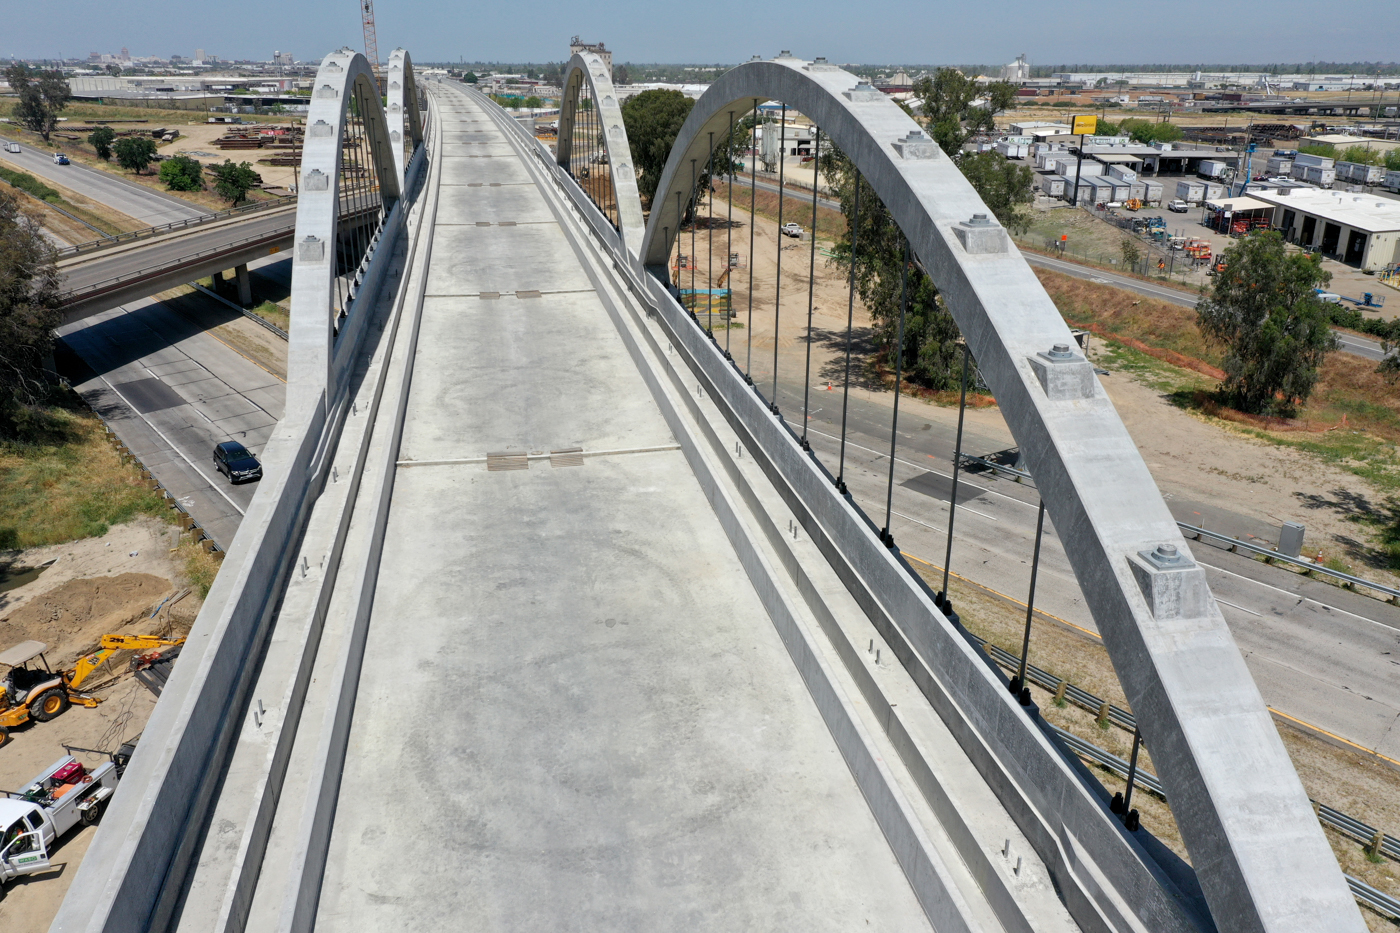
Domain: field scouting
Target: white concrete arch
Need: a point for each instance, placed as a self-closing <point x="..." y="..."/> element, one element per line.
<point x="1261" y="859"/>
<point x="405" y="122"/>
<point x="588" y="67"/>
<point x="344" y="76"/>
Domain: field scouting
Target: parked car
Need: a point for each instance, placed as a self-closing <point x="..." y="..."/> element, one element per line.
<point x="60" y="159"/>
<point x="1178" y="206"/>
<point x="236" y="462"/>
<point x="792" y="230"/>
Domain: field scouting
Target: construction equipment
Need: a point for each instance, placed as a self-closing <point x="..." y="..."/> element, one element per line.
<point x="64" y="795"/>
<point x="1133" y="204"/>
<point x="40" y="693"/>
<point x="371" y="41"/>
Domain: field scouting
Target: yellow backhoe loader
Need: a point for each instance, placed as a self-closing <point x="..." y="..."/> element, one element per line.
<point x="35" y="691"/>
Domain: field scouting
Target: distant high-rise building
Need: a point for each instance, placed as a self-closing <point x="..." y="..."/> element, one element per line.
<point x="199" y="55"/>
<point x="125" y="56"/>
<point x="94" y="56"/>
<point x="282" y="58"/>
<point x="575" y="46"/>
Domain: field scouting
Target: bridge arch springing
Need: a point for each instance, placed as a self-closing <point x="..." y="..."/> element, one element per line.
<point x="1200" y="710"/>
<point x="593" y="146"/>
<point x="349" y="181"/>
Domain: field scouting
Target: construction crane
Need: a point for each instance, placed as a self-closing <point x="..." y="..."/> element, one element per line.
<point x="371" y="40"/>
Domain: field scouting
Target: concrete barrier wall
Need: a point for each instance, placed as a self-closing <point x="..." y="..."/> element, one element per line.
<point x="134" y="867"/>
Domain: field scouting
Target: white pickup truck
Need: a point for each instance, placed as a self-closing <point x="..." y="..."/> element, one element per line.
<point x="63" y="796"/>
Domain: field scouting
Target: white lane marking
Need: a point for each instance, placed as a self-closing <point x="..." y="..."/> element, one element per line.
<point x="1226" y="602"/>
<point x="1290" y="594"/>
<point x="921" y="467"/>
<point x="214" y="485"/>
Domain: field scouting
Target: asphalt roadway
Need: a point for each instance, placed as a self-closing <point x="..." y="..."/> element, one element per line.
<point x="171" y="390"/>
<point x="1349" y="343"/>
<point x="137" y="201"/>
<point x="1319" y="654"/>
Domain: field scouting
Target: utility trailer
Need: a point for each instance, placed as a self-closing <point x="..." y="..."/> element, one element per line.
<point x="64" y="795"/>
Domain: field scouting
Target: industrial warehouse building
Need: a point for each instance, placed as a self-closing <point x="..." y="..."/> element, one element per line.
<point x="1360" y="230"/>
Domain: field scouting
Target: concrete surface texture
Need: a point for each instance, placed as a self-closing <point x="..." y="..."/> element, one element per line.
<point x="614" y="733"/>
<point x="1265" y="864"/>
<point x="138" y="201"/>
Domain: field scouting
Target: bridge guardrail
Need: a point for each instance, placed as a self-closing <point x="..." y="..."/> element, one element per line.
<point x="106" y="284"/>
<point x="1236" y="544"/>
<point x="113" y="240"/>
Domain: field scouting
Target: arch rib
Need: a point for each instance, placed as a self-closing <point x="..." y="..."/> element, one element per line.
<point x="344" y="77"/>
<point x="1262" y="861"/>
<point x="587" y="67"/>
<point x="404" y="120"/>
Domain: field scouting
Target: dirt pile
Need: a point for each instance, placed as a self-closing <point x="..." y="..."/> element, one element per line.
<point x="73" y="616"/>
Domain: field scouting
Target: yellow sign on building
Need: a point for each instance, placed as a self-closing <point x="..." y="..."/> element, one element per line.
<point x="1085" y="125"/>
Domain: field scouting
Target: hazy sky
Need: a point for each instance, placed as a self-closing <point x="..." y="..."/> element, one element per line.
<point x="925" y="31"/>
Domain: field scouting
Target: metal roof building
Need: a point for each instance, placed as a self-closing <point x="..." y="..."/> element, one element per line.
<point x="1361" y="230"/>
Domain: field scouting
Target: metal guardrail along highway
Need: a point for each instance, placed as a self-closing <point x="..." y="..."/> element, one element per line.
<point x="1236" y="544"/>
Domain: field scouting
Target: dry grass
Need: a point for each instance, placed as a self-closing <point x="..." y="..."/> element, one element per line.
<point x="61" y="481"/>
<point x="198" y="565"/>
<point x="1359" y="784"/>
<point x="1352" y="418"/>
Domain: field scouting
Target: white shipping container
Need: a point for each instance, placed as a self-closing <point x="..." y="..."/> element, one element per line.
<point x="1391" y="181"/>
<point x="1137" y="189"/>
<point x="1278" y="166"/>
<point x="1121" y="173"/>
<point x="1210" y="168"/>
<point x="1316" y="161"/>
<point x="1215" y="191"/>
<point x="1360" y="174"/>
<point x="1153" y="192"/>
<point x="1322" y="177"/>
<point x="1190" y="191"/>
<point x="1052" y="185"/>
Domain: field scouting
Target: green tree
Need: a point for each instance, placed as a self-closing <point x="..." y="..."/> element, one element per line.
<point x="29" y="294"/>
<point x="1325" y="150"/>
<point x="182" y="173"/>
<point x="1362" y="155"/>
<point x="653" y="119"/>
<point x="469" y="78"/>
<point x="1392" y="160"/>
<point x="1265" y="310"/>
<point x="956" y="107"/>
<point x="101" y="139"/>
<point x="42" y="97"/>
<point x="233" y="182"/>
<point x="1106" y="128"/>
<point x="134" y="153"/>
<point x="1130" y="252"/>
<point x="931" y="350"/>
<point x="1147" y="132"/>
<point x="620" y="74"/>
<point x="1004" y="186"/>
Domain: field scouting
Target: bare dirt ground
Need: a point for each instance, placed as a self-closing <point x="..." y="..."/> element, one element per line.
<point x="92" y="587"/>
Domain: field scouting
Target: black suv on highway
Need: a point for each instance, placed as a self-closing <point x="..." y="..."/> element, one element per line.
<point x="234" y="461"/>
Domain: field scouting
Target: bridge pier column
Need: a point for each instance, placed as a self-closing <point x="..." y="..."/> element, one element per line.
<point x="245" y="285"/>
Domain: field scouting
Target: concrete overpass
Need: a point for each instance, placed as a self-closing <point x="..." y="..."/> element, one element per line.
<point x="544" y="618"/>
